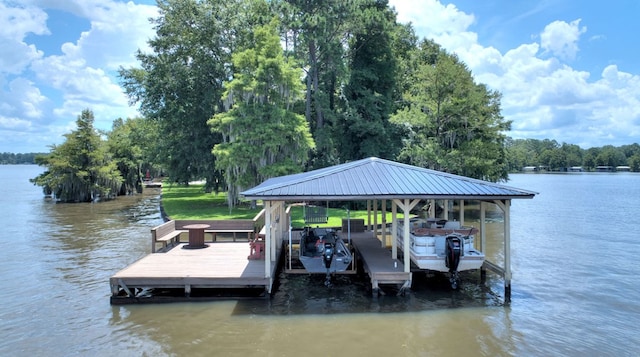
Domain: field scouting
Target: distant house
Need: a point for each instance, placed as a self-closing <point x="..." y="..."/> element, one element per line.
<point x="604" y="168"/>
<point x="623" y="168"/>
<point x="576" y="169"/>
<point x="530" y="169"/>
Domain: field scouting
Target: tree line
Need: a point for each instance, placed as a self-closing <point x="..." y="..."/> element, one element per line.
<point x="235" y="92"/>
<point x="562" y="157"/>
<point x="91" y="165"/>
<point x="9" y="158"/>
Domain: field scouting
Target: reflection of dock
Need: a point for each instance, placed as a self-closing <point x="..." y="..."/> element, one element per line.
<point x="377" y="262"/>
<point x="222" y="266"/>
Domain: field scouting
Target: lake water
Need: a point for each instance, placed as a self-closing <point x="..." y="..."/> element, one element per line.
<point x="575" y="287"/>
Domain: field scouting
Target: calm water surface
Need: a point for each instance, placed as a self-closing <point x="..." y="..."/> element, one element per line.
<point x="576" y="288"/>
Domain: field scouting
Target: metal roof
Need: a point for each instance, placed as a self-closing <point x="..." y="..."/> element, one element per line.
<point x="375" y="178"/>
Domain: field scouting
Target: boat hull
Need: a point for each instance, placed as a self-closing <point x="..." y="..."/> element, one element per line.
<point x="312" y="247"/>
<point x="427" y="248"/>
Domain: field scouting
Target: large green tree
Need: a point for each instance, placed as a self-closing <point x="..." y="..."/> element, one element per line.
<point x="133" y="146"/>
<point x="180" y="83"/>
<point x="364" y="129"/>
<point x="453" y="124"/>
<point x="262" y="136"/>
<point x="317" y="34"/>
<point x="80" y="169"/>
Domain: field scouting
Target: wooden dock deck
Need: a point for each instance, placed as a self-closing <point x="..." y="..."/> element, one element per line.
<point x="378" y="263"/>
<point x="221" y="265"/>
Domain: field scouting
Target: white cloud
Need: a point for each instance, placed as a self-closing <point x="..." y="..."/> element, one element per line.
<point x="15" y="24"/>
<point x="38" y="87"/>
<point x="22" y="99"/>
<point x="542" y="94"/>
<point x="561" y="38"/>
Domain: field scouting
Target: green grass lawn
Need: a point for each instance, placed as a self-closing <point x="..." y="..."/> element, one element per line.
<point x="191" y="202"/>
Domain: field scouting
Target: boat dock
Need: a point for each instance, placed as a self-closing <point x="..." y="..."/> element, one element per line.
<point x="383" y="270"/>
<point x="223" y="269"/>
<point x="221" y="266"/>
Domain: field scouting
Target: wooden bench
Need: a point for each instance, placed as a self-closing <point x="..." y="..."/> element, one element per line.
<point x="167" y="234"/>
<point x="230" y="226"/>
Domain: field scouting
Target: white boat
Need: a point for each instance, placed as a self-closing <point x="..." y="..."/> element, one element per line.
<point x="443" y="246"/>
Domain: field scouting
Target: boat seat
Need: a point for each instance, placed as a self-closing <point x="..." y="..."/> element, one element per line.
<point x="452" y="225"/>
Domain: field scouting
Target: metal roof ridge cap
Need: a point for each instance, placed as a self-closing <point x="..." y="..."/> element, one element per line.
<point x="329" y="170"/>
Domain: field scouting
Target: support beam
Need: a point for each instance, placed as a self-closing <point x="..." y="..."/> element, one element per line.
<point x="483" y="226"/>
<point x="125" y="288"/>
<point x="406" y="206"/>
<point x="432" y="208"/>
<point x="384" y="222"/>
<point x="506" y="209"/>
<point x="481" y="244"/>
<point x="368" y="215"/>
<point x="375" y="219"/>
<point x="267" y="239"/>
<point x="394" y="230"/>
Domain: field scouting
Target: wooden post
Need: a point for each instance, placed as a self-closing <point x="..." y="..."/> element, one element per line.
<point x="384" y="223"/>
<point x="394" y="230"/>
<point x="375" y="219"/>
<point x="406" y="244"/>
<point x="482" y="246"/>
<point x="406" y="206"/>
<point x="267" y="239"/>
<point x="368" y="215"/>
<point x="507" y="251"/>
<point x="506" y="209"/>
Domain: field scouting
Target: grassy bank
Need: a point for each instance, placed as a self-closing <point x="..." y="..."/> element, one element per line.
<point x="191" y="202"/>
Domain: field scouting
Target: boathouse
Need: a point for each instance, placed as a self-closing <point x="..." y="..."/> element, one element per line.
<point x="372" y="180"/>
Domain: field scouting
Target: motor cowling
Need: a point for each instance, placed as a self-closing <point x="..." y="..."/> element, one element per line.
<point x="453" y="251"/>
<point x="327" y="255"/>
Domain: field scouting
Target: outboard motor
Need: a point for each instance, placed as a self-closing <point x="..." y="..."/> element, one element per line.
<point x="327" y="257"/>
<point x="453" y="251"/>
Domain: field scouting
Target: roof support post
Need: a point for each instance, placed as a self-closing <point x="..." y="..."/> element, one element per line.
<point x="407" y="205"/>
<point x="505" y="205"/>
<point x="432" y="208"/>
<point x="267" y="239"/>
<point x="375" y="219"/>
<point x="394" y="230"/>
<point x="483" y="226"/>
<point x="384" y="222"/>
<point x="445" y="203"/>
<point x="461" y="205"/>
<point x="368" y="215"/>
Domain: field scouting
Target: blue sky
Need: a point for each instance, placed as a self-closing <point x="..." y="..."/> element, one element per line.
<point x="568" y="70"/>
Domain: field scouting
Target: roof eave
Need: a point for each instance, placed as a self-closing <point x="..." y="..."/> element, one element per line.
<point x="386" y="197"/>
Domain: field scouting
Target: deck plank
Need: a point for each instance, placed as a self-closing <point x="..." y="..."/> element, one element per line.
<point x="377" y="260"/>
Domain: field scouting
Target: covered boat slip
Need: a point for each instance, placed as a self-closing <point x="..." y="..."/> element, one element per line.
<point x="378" y="263"/>
<point x="374" y="180"/>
